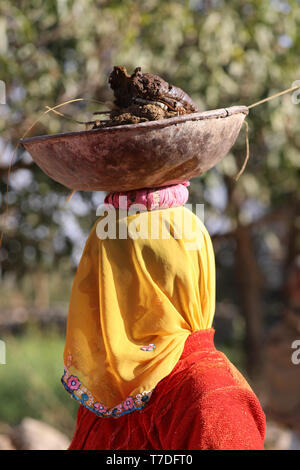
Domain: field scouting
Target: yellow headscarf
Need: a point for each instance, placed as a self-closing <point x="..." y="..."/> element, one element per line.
<point x="134" y="302"/>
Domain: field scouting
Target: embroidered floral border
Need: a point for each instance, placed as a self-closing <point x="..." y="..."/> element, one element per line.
<point x="78" y="391"/>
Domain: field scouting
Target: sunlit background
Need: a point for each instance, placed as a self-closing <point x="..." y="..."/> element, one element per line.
<point x="222" y="54"/>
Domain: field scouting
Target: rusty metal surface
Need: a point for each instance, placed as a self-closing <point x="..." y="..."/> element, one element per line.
<point x="149" y="154"/>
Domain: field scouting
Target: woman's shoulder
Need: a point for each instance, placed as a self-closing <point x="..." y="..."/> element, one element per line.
<point x="209" y="405"/>
<point x="192" y="380"/>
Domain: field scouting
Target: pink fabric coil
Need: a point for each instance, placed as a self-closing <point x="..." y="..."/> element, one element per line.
<point x="151" y="198"/>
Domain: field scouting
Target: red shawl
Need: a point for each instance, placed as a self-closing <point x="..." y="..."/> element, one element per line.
<point x="204" y="403"/>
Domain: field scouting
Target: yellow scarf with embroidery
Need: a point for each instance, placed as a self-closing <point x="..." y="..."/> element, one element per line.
<point x="135" y="300"/>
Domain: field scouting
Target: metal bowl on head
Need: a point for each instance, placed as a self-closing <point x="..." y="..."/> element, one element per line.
<point x="133" y="156"/>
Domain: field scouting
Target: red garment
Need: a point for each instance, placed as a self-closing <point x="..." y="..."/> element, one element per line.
<point x="204" y="403"/>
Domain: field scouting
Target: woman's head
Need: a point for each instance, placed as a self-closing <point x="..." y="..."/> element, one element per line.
<point x="150" y="282"/>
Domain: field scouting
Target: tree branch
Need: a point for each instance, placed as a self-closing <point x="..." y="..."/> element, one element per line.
<point x="17" y="166"/>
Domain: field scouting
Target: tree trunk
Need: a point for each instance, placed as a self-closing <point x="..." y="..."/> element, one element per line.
<point x="249" y="282"/>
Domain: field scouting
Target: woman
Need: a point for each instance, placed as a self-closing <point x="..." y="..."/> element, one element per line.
<point x="139" y="354"/>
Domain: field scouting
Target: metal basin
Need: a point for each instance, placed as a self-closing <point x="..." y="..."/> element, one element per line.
<point x="151" y="154"/>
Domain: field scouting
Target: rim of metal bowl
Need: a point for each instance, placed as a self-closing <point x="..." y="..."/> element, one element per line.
<point x="144" y="126"/>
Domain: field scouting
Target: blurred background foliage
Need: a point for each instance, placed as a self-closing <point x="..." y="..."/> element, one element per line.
<point x="222" y="54"/>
